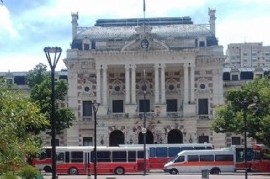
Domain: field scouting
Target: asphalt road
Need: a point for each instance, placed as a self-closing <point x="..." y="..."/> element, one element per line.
<point x="164" y="175"/>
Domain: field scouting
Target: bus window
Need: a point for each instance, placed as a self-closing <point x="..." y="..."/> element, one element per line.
<point x="206" y="158"/>
<point x="186" y="148"/>
<point x="161" y="152"/>
<point x="152" y="152"/>
<point x="67" y="157"/>
<point x="119" y="156"/>
<point x="76" y="156"/>
<point x="180" y="159"/>
<point x="193" y="158"/>
<point x="199" y="148"/>
<point x="102" y="156"/>
<point x="60" y="157"/>
<point x="140" y="154"/>
<point x="132" y="156"/>
<point x="224" y="157"/>
<point x="173" y="151"/>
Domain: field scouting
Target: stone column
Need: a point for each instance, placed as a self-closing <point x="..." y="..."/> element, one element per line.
<point x="186" y="87"/>
<point x="156" y="83"/>
<point x="163" y="90"/>
<point x="99" y="92"/>
<point x="133" y="84"/>
<point x="192" y="66"/>
<point x="127" y="83"/>
<point x="105" y="88"/>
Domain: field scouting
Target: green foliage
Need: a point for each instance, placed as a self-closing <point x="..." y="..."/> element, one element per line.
<point x="18" y="115"/>
<point x="28" y="172"/>
<point x="250" y="102"/>
<point x="40" y="83"/>
<point x="9" y="175"/>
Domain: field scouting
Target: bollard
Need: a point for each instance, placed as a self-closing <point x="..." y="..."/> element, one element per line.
<point x="205" y="174"/>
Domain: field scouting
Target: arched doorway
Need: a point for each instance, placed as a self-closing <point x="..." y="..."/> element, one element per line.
<point x="116" y="137"/>
<point x="149" y="137"/>
<point x="175" y="136"/>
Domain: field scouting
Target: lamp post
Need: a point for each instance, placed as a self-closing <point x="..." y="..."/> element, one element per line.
<point x="144" y="125"/>
<point x="56" y="52"/>
<point x="245" y="139"/>
<point x="95" y="109"/>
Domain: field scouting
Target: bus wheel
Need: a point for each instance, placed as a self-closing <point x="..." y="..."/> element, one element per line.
<point x="73" y="171"/>
<point x="215" y="171"/>
<point x="47" y="169"/>
<point x="119" y="171"/>
<point x="173" y="171"/>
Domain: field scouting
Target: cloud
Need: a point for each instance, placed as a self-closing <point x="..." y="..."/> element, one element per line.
<point x="7" y="28"/>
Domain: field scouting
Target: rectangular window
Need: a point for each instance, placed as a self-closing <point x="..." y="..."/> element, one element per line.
<point x="117" y="106"/>
<point x="102" y="156"/>
<point x="172" y="105"/>
<point x="161" y="152"/>
<point x="204" y="158"/>
<point x="224" y="157"/>
<point x="86" y="46"/>
<point x="173" y="151"/>
<point x="87" y="141"/>
<point x="235" y="78"/>
<point x="236" y="141"/>
<point x="140" y="154"/>
<point x="203" y="139"/>
<point x="77" y="156"/>
<point x="203" y="106"/>
<point x="67" y="157"/>
<point x="146" y="107"/>
<point x="201" y="44"/>
<point x="119" y="156"/>
<point x="87" y="108"/>
<point x="152" y="152"/>
<point x="132" y="156"/>
<point x="19" y="80"/>
<point x="193" y="158"/>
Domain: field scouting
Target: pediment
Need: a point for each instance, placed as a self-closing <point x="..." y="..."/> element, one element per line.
<point x="154" y="44"/>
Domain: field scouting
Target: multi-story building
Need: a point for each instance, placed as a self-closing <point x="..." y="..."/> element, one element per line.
<point x="244" y="55"/>
<point x="167" y="71"/>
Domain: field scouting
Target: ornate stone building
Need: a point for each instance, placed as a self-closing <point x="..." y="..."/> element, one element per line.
<point x="167" y="71"/>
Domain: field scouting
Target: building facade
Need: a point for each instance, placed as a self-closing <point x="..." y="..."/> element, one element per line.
<point x="165" y="71"/>
<point x="247" y="55"/>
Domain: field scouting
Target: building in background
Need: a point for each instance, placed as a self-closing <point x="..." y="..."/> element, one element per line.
<point x="247" y="55"/>
<point x="179" y="62"/>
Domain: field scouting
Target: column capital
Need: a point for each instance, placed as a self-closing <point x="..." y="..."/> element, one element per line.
<point x="98" y="67"/>
<point x="104" y="67"/>
<point x="127" y="66"/>
<point x="162" y="65"/>
<point x="156" y="65"/>
<point x="192" y="65"/>
<point x="133" y="66"/>
<point x="186" y="65"/>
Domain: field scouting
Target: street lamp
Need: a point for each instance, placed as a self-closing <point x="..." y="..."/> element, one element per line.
<point x="144" y="125"/>
<point x="95" y="109"/>
<point x="56" y="51"/>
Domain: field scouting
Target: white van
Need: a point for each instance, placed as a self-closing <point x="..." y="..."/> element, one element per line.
<point x="194" y="161"/>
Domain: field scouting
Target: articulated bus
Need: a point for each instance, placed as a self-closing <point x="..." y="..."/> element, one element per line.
<point x="160" y="154"/>
<point x="75" y="160"/>
<point x="195" y="161"/>
<point x="240" y="157"/>
<point x="261" y="160"/>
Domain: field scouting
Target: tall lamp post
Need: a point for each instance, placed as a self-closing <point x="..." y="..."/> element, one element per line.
<point x="144" y="125"/>
<point x="56" y="52"/>
<point x="95" y="109"/>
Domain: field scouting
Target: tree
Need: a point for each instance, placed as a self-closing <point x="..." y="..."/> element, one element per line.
<point x="39" y="81"/>
<point x="251" y="101"/>
<point x="17" y="115"/>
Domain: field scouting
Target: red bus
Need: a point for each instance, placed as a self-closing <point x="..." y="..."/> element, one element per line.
<point x="240" y="157"/>
<point x="261" y="160"/>
<point x="160" y="154"/>
<point x="75" y="160"/>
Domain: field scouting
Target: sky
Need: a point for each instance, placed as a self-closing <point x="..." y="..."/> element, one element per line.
<point x="27" y="26"/>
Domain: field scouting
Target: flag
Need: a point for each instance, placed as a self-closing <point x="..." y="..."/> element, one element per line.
<point x="144" y="5"/>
